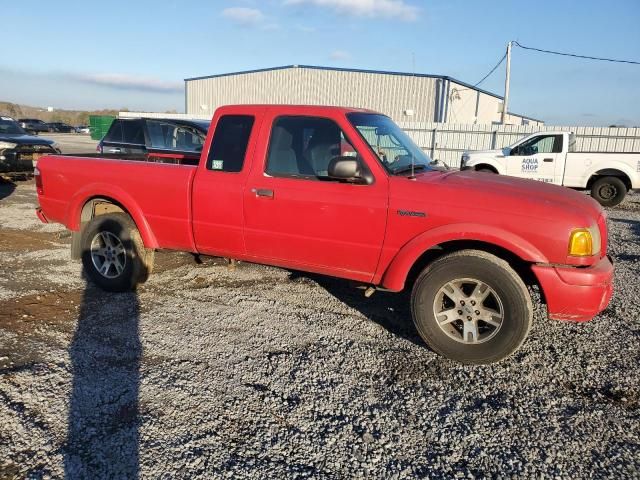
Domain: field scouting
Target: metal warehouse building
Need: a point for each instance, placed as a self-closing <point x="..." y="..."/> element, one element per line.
<point x="405" y="97"/>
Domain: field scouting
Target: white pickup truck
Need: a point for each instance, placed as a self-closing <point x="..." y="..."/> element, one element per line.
<point x="551" y="157"/>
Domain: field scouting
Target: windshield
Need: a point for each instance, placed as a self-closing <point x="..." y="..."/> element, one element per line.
<point x="390" y="143"/>
<point x="10" y="126"/>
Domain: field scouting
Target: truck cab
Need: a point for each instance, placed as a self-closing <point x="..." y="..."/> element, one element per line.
<point x="551" y="157"/>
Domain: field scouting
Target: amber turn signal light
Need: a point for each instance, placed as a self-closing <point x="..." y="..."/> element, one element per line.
<point x="581" y="243"/>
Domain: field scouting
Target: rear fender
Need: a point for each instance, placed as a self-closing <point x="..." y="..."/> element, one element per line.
<point x="613" y="168"/>
<point x="395" y="275"/>
<point x="119" y="197"/>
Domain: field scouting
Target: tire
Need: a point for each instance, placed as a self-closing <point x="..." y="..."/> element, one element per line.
<point x="485" y="170"/>
<point x="123" y="261"/>
<point x="452" y="334"/>
<point x="609" y="191"/>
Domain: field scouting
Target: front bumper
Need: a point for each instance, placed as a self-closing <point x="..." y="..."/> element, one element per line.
<point x="11" y="162"/>
<point x="576" y="294"/>
<point x="23" y="158"/>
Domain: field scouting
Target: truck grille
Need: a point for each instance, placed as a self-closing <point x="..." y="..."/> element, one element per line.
<point x="20" y="149"/>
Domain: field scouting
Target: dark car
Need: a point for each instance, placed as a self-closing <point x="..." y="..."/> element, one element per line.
<point x="18" y="150"/>
<point x="156" y="139"/>
<point x="33" y="125"/>
<point x="61" y="127"/>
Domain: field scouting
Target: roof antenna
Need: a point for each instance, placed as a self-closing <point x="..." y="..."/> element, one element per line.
<point x="413" y="68"/>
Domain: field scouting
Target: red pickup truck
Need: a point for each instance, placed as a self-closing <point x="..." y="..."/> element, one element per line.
<point x="344" y="192"/>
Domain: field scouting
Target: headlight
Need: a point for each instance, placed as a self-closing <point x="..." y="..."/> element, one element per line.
<point x="6" y="145"/>
<point x="584" y="242"/>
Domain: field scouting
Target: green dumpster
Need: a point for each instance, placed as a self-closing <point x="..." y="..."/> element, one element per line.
<point x="99" y="125"/>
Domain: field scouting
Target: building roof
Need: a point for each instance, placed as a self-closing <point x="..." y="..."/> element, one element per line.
<point x="357" y="70"/>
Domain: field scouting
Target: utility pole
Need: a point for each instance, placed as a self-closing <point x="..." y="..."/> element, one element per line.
<point x="507" y="81"/>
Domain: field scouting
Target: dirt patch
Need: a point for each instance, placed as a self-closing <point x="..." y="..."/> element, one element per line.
<point x="27" y="314"/>
<point x="21" y="240"/>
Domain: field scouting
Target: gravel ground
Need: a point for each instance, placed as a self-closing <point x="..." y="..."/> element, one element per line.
<point x="210" y="371"/>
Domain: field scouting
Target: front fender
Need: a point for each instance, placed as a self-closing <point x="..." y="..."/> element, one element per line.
<point x="395" y="275"/>
<point x="118" y="195"/>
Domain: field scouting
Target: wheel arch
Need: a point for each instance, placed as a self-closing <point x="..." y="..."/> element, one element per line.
<point x="610" y="172"/>
<point x="424" y="249"/>
<point x="486" y="166"/>
<point x="82" y="209"/>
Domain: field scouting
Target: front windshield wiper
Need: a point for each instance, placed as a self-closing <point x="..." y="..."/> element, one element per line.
<point x="408" y="168"/>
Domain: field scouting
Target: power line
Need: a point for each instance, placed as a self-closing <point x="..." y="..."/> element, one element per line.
<point x="575" y="55"/>
<point x="492" y="70"/>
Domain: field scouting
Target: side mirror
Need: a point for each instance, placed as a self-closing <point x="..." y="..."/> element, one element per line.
<point x="347" y="169"/>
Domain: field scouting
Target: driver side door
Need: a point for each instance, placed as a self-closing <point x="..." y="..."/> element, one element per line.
<point x="538" y="158"/>
<point x="297" y="217"/>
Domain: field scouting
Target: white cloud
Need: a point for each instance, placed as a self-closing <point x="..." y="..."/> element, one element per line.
<point x="243" y="15"/>
<point x="366" y="8"/>
<point x="129" y="82"/>
<point x="340" y="55"/>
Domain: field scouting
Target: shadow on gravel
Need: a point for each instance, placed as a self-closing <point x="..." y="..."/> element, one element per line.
<point x="102" y="439"/>
<point x="389" y="310"/>
<point x="6" y="188"/>
<point x="634" y="224"/>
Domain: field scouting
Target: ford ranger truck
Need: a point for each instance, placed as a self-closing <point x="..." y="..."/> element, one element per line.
<point x="344" y="192"/>
<point x="551" y="157"/>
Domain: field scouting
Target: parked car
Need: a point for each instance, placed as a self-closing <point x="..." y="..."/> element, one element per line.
<point x="19" y="151"/>
<point x="308" y="189"/>
<point x="551" y="157"/>
<point x="83" y="129"/>
<point x="60" y="127"/>
<point x="33" y="125"/>
<point x="156" y="139"/>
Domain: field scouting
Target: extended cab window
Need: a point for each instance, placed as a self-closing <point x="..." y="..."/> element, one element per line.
<point x="304" y="146"/>
<point x="539" y="144"/>
<point x="230" y="141"/>
<point x="132" y="132"/>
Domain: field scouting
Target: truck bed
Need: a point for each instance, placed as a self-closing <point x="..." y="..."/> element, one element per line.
<point x="161" y="190"/>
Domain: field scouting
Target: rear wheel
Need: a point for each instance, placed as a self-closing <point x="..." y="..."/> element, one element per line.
<point x="485" y="170"/>
<point x="113" y="254"/>
<point x="608" y="191"/>
<point x="472" y="307"/>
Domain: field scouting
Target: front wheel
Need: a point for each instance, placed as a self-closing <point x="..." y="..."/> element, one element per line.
<point x="608" y="191"/>
<point x="113" y="254"/>
<point x="472" y="307"/>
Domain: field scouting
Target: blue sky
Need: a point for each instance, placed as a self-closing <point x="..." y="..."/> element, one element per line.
<point x="135" y="53"/>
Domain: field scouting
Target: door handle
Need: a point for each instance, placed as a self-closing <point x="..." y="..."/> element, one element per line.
<point x="263" y="192"/>
<point x="548" y="159"/>
<point x="114" y="150"/>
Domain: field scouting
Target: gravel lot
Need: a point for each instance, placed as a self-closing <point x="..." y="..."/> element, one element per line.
<point x="255" y="372"/>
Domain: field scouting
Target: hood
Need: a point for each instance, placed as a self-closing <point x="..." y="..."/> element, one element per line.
<point x="522" y="197"/>
<point x="24" y="139"/>
<point x="493" y="153"/>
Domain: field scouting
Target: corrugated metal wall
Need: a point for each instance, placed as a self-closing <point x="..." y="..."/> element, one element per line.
<point x="446" y="141"/>
<point x="390" y="94"/>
